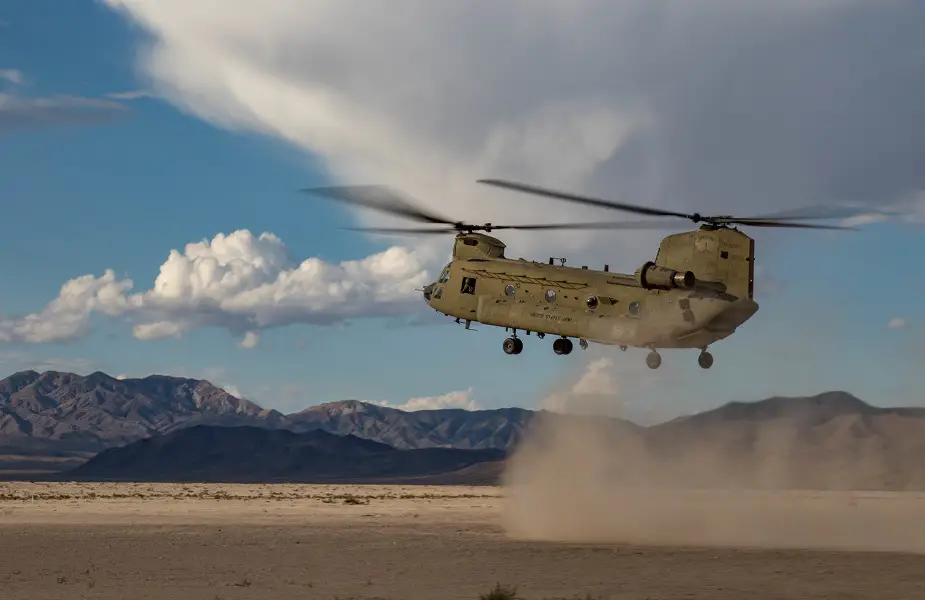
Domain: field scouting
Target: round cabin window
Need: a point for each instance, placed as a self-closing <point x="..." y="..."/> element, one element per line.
<point x="591" y="302"/>
<point x="550" y="296"/>
<point x="634" y="308"/>
<point x="509" y="290"/>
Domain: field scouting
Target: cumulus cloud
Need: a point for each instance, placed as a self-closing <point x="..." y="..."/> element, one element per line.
<point x="458" y="399"/>
<point x="718" y="105"/>
<point x="896" y="323"/>
<point x="241" y="282"/>
<point x="67" y="316"/>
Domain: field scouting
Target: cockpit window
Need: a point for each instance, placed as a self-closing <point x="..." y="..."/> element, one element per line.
<point x="445" y="275"/>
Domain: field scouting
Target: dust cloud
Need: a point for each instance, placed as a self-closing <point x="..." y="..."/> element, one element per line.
<point x="587" y="479"/>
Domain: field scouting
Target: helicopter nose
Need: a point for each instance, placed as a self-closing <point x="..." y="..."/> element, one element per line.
<point x="428" y="291"/>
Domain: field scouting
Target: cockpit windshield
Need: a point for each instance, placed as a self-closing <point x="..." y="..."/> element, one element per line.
<point x="445" y="275"/>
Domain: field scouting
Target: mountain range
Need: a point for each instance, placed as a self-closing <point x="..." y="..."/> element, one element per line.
<point x="162" y="427"/>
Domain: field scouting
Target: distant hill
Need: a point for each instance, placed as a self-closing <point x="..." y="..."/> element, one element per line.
<point x="252" y="454"/>
<point x="500" y="428"/>
<point x="52" y="420"/>
<point x="69" y="415"/>
<point x="829" y="441"/>
<point x="57" y="421"/>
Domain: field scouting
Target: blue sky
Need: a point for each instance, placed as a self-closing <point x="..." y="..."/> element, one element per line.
<point x="122" y="193"/>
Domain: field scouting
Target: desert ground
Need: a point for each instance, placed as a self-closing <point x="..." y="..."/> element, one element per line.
<point x="179" y="541"/>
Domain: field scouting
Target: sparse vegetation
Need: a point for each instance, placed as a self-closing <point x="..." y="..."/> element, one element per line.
<point x="500" y="592"/>
<point x="273" y="493"/>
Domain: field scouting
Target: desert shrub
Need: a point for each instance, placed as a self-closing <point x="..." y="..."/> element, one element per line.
<point x="500" y="592"/>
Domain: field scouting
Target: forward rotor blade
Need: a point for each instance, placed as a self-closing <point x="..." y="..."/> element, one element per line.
<point x="400" y="230"/>
<point x="532" y="227"/>
<point x="380" y="198"/>
<point x="599" y="225"/>
<point x="530" y="189"/>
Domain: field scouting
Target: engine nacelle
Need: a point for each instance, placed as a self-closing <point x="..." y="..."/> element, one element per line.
<point x="652" y="276"/>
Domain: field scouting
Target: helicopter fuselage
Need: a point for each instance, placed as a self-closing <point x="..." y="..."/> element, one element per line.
<point x="657" y="307"/>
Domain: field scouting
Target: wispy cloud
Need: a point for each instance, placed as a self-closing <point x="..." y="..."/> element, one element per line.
<point x="11" y="362"/>
<point x="11" y="75"/>
<point x="18" y="113"/>
<point x="897" y="323"/>
<point x="130" y="95"/>
<point x="458" y="399"/>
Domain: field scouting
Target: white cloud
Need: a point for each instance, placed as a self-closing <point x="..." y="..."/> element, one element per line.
<point x="238" y="281"/>
<point x="715" y="106"/>
<point x="11" y="75"/>
<point x="251" y="339"/>
<point x="897" y="323"/>
<point x="595" y="391"/>
<point x="458" y="399"/>
<point x="67" y="316"/>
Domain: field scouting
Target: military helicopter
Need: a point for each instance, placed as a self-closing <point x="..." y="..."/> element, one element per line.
<point x="697" y="291"/>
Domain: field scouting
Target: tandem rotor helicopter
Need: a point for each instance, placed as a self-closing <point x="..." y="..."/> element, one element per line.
<point x="697" y="291"/>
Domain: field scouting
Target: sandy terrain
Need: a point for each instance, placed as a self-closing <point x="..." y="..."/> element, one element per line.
<point x="140" y="541"/>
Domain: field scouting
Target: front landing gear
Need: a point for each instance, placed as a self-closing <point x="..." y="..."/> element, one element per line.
<point x="513" y="345"/>
<point x="653" y="360"/>
<point x="562" y="346"/>
<point x="705" y="360"/>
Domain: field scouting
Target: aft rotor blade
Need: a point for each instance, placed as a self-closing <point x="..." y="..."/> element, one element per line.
<point x="814" y="212"/>
<point x="531" y="189"/>
<point x="769" y="223"/>
<point x="380" y="198"/>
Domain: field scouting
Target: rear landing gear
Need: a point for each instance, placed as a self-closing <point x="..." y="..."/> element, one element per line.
<point x="562" y="346"/>
<point x="653" y="360"/>
<point x="513" y="345"/>
<point x="705" y="360"/>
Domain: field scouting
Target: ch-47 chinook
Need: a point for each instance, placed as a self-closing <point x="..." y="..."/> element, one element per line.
<point x="697" y="291"/>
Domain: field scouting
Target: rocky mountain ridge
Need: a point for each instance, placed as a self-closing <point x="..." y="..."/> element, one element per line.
<point x="55" y="421"/>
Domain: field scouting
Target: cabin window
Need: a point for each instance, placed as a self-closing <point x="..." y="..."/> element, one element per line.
<point x="445" y="275"/>
<point x="591" y="302"/>
<point x="438" y="293"/>
<point x="723" y="254"/>
<point x="471" y="242"/>
<point x="550" y="296"/>
<point x="510" y="290"/>
<point x="634" y="308"/>
<point x="468" y="285"/>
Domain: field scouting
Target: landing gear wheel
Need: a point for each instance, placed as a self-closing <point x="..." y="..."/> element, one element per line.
<point x="583" y="343"/>
<point x="513" y="345"/>
<point x="653" y="360"/>
<point x="705" y="360"/>
<point x="562" y="346"/>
